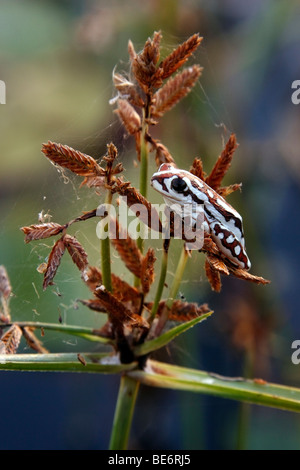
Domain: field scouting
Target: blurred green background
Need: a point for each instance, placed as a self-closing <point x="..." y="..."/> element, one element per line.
<point x="56" y="59"/>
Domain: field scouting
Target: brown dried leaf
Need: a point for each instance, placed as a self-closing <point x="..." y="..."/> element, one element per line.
<point x="121" y="289"/>
<point x="147" y="270"/>
<point x="226" y="190"/>
<point x="94" y="304"/>
<point x="128" y="116"/>
<point x="94" y="182"/>
<point x="183" y="311"/>
<point x="197" y="168"/>
<point x="209" y="246"/>
<point x="131" y="51"/>
<point x="41" y="231"/>
<point x="73" y="160"/>
<point x="53" y="262"/>
<point x="92" y="277"/>
<point x="85" y="216"/>
<point x="174" y="90"/>
<point x="242" y="274"/>
<point x="76" y="251"/>
<point x="162" y="153"/>
<point x="217" y="264"/>
<point x="32" y="341"/>
<point x="117" y="310"/>
<point x="223" y="163"/>
<point x="213" y="277"/>
<point x="5" y="287"/>
<point x="11" y="339"/>
<point x="134" y="197"/>
<point x="127" y="248"/>
<point x="179" y="56"/>
<point x="144" y="64"/>
<point x="127" y="90"/>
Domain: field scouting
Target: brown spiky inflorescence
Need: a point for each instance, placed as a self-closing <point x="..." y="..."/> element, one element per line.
<point x="152" y="88"/>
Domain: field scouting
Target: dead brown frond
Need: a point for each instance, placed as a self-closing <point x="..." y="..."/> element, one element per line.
<point x="128" y="116"/>
<point x="243" y="274"/>
<point x="73" y="160"/>
<point x="197" y="169"/>
<point x="121" y="289"/>
<point x="214" y="179"/>
<point x="41" y="231"/>
<point x="127" y="90"/>
<point x="147" y="270"/>
<point x="117" y="310"/>
<point x="213" y="277"/>
<point x="217" y="264"/>
<point x="94" y="304"/>
<point x="32" y="341"/>
<point x="179" y="56"/>
<point x="76" y="251"/>
<point x="183" y="311"/>
<point x="5" y="287"/>
<point x="11" y="340"/>
<point x="174" y="90"/>
<point x="144" y="64"/>
<point x="127" y="248"/>
<point x="162" y="154"/>
<point x="226" y="190"/>
<point x="150" y="216"/>
<point x="53" y="262"/>
<point x="94" y="182"/>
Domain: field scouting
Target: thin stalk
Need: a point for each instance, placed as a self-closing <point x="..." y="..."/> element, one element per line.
<point x="143" y="181"/>
<point x="178" y="277"/>
<point x="128" y="387"/>
<point x="244" y="408"/>
<point x="123" y="414"/>
<point x="161" y="284"/>
<point x="105" y="253"/>
<point x="173" y="291"/>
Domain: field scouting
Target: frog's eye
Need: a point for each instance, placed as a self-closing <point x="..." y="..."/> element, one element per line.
<point x="179" y="185"/>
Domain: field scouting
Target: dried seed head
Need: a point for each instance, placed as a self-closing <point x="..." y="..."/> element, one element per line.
<point x="223" y="163"/>
<point x="11" y="339"/>
<point x="41" y="231"/>
<point x="144" y="64"/>
<point x="32" y="341"/>
<point x="117" y="310"/>
<point x="147" y="270"/>
<point x="76" y="251"/>
<point x="174" y="90"/>
<point x="226" y="190"/>
<point x="5" y="287"/>
<point x="126" y="90"/>
<point x="53" y="262"/>
<point x="183" y="311"/>
<point x="151" y="218"/>
<point x="129" y="117"/>
<point x="127" y="248"/>
<point x="197" y="168"/>
<point x="213" y="277"/>
<point x="179" y="56"/>
<point x="73" y="160"/>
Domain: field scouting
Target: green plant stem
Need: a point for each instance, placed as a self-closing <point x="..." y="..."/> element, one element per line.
<point x="105" y="253"/>
<point x="143" y="181"/>
<point x="161" y="284"/>
<point x="173" y="291"/>
<point x="244" y="408"/>
<point x="123" y="414"/>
